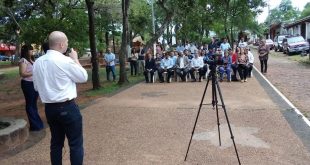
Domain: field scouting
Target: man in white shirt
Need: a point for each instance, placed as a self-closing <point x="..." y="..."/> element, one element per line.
<point x="182" y="66"/>
<point x="196" y="65"/>
<point x="242" y="43"/>
<point x="55" y="76"/>
<point x="250" y="61"/>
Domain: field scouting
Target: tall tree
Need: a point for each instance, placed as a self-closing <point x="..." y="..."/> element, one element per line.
<point x="122" y="57"/>
<point x="306" y="11"/>
<point x="92" y="41"/>
<point x="285" y="12"/>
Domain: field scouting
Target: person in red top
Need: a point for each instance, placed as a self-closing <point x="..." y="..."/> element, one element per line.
<point x="234" y="64"/>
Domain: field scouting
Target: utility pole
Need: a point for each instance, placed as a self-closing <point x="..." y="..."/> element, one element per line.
<point x="153" y="20"/>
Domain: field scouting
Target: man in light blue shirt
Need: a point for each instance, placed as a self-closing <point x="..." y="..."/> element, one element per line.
<point x="180" y="47"/>
<point x="224" y="46"/>
<point x="110" y="63"/>
<point x="166" y="65"/>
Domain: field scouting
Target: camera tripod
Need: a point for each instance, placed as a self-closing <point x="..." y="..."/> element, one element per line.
<point x="215" y="86"/>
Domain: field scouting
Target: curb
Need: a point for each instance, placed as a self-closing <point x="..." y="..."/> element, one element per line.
<point x="284" y="98"/>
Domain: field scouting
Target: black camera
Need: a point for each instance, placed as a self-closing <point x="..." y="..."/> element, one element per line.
<point x="215" y="59"/>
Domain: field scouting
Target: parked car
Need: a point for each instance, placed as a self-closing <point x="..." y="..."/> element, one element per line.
<point x="295" y="44"/>
<point x="278" y="43"/>
<point x="4" y="58"/>
<point x="269" y="43"/>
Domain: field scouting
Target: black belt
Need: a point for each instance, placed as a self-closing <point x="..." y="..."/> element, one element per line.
<point x="61" y="103"/>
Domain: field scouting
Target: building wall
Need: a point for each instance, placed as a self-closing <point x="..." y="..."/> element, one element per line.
<point x="307" y="30"/>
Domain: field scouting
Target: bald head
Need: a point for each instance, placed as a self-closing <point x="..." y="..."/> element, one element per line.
<point x="58" y="41"/>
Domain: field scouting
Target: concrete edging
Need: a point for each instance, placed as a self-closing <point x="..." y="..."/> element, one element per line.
<point x="284" y="98"/>
<point x="14" y="135"/>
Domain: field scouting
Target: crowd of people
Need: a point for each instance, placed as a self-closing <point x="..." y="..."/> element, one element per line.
<point x="191" y="62"/>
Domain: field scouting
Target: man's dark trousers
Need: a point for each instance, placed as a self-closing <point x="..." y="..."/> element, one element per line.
<point x="110" y="69"/>
<point x="65" y="119"/>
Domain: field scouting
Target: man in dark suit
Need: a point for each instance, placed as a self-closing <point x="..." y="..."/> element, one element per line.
<point x="150" y="67"/>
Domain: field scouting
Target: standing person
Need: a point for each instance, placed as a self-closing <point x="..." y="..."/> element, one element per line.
<point x="133" y="62"/>
<point x="55" y="76"/>
<point x="110" y="63"/>
<point x="225" y="46"/>
<point x="141" y="59"/>
<point x="263" y="51"/>
<point x="150" y="67"/>
<point x="31" y="96"/>
<point x="250" y="62"/>
<point x="242" y="43"/>
<point x="212" y="45"/>
<point x="180" y="47"/>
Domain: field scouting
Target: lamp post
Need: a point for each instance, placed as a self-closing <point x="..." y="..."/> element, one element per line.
<point x="153" y="21"/>
<point x="17" y="47"/>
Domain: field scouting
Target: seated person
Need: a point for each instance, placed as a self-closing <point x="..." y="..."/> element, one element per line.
<point x="166" y="65"/>
<point x="226" y="67"/>
<point x="242" y="65"/>
<point x="182" y="66"/>
<point x="196" y="65"/>
<point x="234" y="64"/>
<point x="150" y="67"/>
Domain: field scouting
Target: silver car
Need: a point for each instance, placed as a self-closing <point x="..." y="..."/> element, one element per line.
<point x="295" y="44"/>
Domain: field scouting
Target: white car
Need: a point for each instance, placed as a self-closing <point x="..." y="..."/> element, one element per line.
<point x="270" y="43"/>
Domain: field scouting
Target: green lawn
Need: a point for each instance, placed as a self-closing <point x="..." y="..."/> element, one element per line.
<point x="109" y="87"/>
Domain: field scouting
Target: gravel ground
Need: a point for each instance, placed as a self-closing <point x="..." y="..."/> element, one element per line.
<point x="152" y="124"/>
<point x="291" y="78"/>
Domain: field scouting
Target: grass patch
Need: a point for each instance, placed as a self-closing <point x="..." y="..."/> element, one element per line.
<point x="9" y="75"/>
<point x="301" y="59"/>
<point x="5" y="63"/>
<point x="109" y="87"/>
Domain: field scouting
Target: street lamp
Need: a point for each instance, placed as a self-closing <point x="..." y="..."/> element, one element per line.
<point x="153" y="21"/>
<point x="17" y="54"/>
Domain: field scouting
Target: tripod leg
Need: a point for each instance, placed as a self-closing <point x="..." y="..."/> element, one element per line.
<point x="203" y="96"/>
<point x="231" y="134"/>
<point x="217" y="111"/>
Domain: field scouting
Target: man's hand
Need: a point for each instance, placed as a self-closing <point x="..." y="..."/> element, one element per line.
<point x="74" y="56"/>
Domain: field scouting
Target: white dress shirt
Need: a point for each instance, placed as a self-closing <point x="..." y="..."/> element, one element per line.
<point x="250" y="57"/>
<point x="55" y="75"/>
<point x="197" y="62"/>
<point x="181" y="62"/>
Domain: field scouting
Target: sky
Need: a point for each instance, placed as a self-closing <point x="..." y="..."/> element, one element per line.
<point x="275" y="3"/>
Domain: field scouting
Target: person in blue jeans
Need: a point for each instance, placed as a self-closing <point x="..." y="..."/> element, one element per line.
<point x="226" y="67"/>
<point x="31" y="96"/>
<point x="54" y="77"/>
<point x="110" y="64"/>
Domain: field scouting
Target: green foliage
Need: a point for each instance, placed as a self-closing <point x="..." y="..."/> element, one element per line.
<point x="112" y="87"/>
<point x="140" y="17"/>
<point x="285" y="12"/>
<point x="306" y="11"/>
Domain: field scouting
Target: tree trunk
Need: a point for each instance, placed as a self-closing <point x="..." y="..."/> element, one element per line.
<point x="92" y="41"/>
<point x="122" y="57"/>
<point x="107" y="38"/>
<point x="226" y="18"/>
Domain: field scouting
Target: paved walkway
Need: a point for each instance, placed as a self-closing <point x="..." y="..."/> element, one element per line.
<point x="152" y="124"/>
